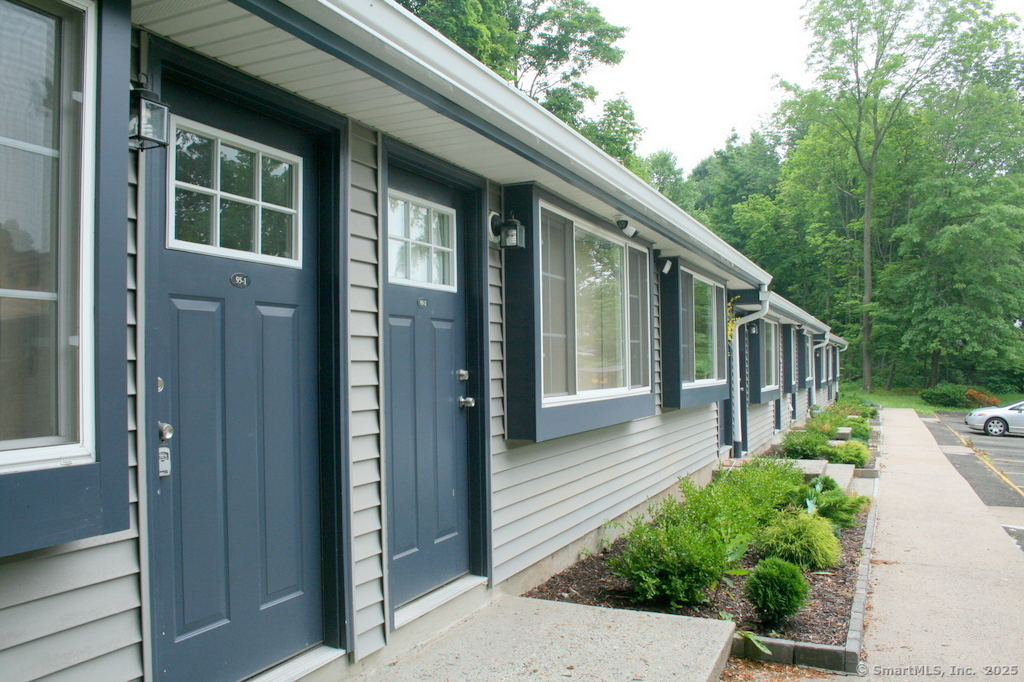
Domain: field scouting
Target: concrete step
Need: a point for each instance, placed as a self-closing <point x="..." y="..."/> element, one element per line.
<point x="843" y="474"/>
<point x="810" y="467"/>
<point x="515" y="638"/>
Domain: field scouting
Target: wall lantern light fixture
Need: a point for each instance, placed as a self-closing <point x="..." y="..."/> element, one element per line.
<point x="511" y="233"/>
<point x="149" y="125"/>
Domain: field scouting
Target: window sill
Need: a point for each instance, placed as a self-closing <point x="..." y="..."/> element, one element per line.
<point x="548" y="422"/>
<point x="768" y="394"/>
<point x="691" y="395"/>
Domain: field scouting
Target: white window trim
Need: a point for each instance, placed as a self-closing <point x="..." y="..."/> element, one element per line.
<point x="39" y="453"/>
<point x="718" y="330"/>
<point x="419" y="201"/>
<point x="602" y="394"/>
<point x="775" y="353"/>
<point x="249" y="145"/>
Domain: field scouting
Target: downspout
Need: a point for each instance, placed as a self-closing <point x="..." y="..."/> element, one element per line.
<point x="737" y="441"/>
<point x="814" y="367"/>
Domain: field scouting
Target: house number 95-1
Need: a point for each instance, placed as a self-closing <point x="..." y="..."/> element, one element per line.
<point x="240" y="280"/>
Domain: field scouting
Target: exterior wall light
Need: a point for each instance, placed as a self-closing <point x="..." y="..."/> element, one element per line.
<point x="149" y="125"/>
<point x="511" y="233"/>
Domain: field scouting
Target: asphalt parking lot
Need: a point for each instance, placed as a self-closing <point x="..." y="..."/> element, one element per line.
<point x="997" y="476"/>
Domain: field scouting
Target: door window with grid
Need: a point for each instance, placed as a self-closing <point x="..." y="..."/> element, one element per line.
<point x="233" y="197"/>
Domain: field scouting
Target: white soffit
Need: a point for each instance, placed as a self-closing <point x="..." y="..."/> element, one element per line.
<point x="223" y="31"/>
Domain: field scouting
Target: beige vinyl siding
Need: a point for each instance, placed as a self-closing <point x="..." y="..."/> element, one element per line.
<point x="547" y="495"/>
<point x="73" y="612"/>
<point x="801" y="404"/>
<point x="364" y="392"/>
<point x="496" y="328"/>
<point x="760" y="426"/>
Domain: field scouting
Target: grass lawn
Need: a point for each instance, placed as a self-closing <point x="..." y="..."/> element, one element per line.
<point x="885" y="398"/>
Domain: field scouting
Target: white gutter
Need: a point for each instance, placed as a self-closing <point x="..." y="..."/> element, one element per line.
<point x="734" y="390"/>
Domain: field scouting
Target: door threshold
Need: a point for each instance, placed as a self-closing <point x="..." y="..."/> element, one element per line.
<point x="431" y="600"/>
<point x="299" y="666"/>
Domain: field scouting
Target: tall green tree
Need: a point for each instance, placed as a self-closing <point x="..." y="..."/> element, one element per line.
<point x="729" y="176"/>
<point x="873" y="59"/>
<point x="543" y="47"/>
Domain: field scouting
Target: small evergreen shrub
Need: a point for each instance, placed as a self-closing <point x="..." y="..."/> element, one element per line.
<point x="838" y="507"/>
<point x="852" y="452"/>
<point x="824" y="483"/>
<point x="777" y="589"/>
<point x="859" y="430"/>
<point x="741" y="500"/>
<point x="671" y="562"/>
<point x="799" y="495"/>
<point x="826" y="423"/>
<point x="802" y="539"/>
<point x="804" y="445"/>
<point x="946" y="395"/>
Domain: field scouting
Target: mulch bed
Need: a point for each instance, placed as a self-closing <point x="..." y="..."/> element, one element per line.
<point x="825" y="620"/>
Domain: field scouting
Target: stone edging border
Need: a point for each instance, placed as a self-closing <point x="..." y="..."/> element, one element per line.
<point x="845" y="659"/>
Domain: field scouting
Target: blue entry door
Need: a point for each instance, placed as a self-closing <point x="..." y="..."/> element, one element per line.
<point x="231" y="367"/>
<point x="425" y="362"/>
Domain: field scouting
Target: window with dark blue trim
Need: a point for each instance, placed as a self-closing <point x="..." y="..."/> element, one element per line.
<point x="694" y="365"/>
<point x="53" y="503"/>
<point x="789" y="363"/>
<point x="764" y="362"/>
<point x="578" y="332"/>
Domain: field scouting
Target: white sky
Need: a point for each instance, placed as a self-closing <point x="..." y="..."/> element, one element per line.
<point x="695" y="70"/>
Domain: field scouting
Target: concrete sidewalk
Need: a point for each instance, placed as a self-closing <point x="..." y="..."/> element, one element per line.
<point x="515" y="638"/>
<point x="947" y="582"/>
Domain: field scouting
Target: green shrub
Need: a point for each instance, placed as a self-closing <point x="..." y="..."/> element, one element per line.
<point x="947" y="395"/>
<point x="859" y="430"/>
<point x="852" y="452"/>
<point x="824" y="483"/>
<point x="804" y="445"/>
<point x="670" y="561"/>
<point x="826" y="423"/>
<point x="801" y="538"/>
<point x="777" y="589"/>
<point x="741" y="500"/>
<point x="799" y="495"/>
<point x="838" y="507"/>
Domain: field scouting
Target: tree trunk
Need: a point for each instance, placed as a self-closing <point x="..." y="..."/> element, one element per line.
<point x="892" y="375"/>
<point x="865" y="316"/>
<point x="933" y="375"/>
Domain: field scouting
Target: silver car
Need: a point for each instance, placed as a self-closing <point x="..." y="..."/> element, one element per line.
<point x="997" y="421"/>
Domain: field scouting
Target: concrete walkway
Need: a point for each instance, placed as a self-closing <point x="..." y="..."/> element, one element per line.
<point x="514" y="638"/>
<point x="947" y="582"/>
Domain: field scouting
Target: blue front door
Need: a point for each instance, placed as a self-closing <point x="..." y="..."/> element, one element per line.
<point x="425" y="361"/>
<point x="231" y="359"/>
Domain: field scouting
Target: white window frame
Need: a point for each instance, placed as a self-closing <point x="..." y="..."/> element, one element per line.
<point x="601" y="394"/>
<point x="718" y="330"/>
<point x="439" y="208"/>
<point x="770" y="329"/>
<point x="249" y="145"/>
<point x="32" y="454"/>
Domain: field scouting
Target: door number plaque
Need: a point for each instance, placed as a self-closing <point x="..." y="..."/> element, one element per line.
<point x="240" y="280"/>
